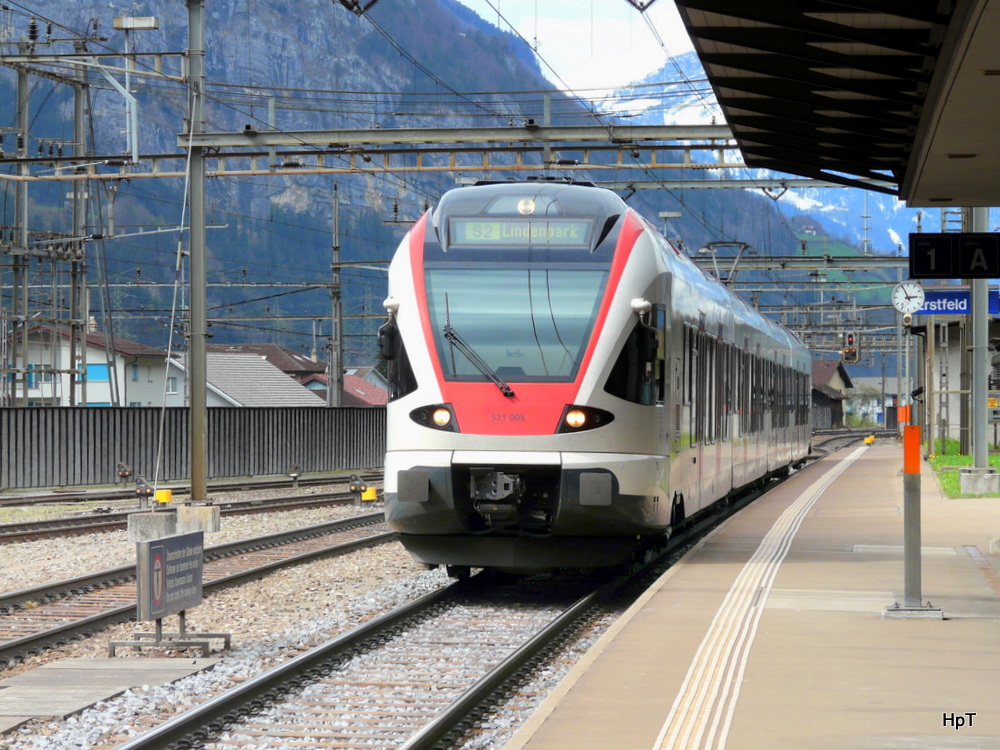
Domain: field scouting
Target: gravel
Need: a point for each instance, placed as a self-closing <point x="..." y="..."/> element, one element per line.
<point x="271" y="620"/>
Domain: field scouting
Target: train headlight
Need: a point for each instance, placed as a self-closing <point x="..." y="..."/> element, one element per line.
<point x="436" y="417"/>
<point x="580" y="418"/>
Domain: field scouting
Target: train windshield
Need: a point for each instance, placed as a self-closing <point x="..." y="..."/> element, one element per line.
<point x="527" y="324"/>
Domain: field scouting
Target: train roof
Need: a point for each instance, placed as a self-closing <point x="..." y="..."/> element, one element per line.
<point x="551" y="198"/>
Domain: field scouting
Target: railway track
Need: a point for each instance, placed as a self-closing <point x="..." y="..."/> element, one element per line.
<point x="409" y="678"/>
<point x="833" y="440"/>
<point x="416" y="678"/>
<point x="42" y="617"/>
<point x="111" y="520"/>
<point x="128" y="493"/>
<point x="500" y="619"/>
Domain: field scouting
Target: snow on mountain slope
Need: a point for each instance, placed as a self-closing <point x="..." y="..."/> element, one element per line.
<point x="679" y="94"/>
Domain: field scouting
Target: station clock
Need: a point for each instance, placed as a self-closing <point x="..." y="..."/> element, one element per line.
<point x="908" y="297"/>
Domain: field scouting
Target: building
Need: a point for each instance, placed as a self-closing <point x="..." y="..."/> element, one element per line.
<point x="866" y="399"/>
<point x="830" y="382"/>
<point x="245" y="379"/>
<point x="116" y="371"/>
<point x="292" y="363"/>
<point x="357" y="391"/>
<point x="369" y="375"/>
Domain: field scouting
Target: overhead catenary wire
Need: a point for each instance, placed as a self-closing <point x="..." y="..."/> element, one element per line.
<point x="226" y="95"/>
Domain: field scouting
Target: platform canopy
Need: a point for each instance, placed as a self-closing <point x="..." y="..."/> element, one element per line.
<point x="900" y="96"/>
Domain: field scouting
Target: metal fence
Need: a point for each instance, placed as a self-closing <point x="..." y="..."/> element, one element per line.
<point x="69" y="446"/>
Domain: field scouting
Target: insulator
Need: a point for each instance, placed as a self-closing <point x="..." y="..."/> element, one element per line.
<point x="41" y="149"/>
<point x="20" y="142"/>
<point x="59" y="151"/>
<point x="52" y="149"/>
<point x="48" y="32"/>
<point x="32" y="30"/>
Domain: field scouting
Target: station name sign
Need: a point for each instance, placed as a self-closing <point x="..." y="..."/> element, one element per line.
<point x="942" y="302"/>
<point x="946" y="303"/>
<point x="965" y="255"/>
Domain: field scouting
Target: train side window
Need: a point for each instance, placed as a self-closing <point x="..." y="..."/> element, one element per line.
<point x="728" y="390"/>
<point x="695" y="383"/>
<point x="805" y="396"/>
<point x="741" y="377"/>
<point x="711" y="388"/>
<point x="776" y="404"/>
<point x="757" y="396"/>
<point x="690" y="358"/>
<point x="701" y="389"/>
<point x="661" y="353"/>
<point x="782" y="396"/>
<point x="402" y="381"/>
<point x="637" y="373"/>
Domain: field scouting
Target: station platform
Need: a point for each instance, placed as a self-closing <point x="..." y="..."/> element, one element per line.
<point x="62" y="688"/>
<point x="770" y="632"/>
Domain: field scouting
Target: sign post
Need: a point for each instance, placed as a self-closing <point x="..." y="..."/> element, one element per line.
<point x="912" y="606"/>
<point x="169" y="581"/>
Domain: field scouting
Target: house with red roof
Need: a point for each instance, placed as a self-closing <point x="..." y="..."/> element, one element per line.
<point x="357" y="390"/>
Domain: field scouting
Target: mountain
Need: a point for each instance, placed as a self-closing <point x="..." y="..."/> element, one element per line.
<point x="838" y="213"/>
<point x="407" y="63"/>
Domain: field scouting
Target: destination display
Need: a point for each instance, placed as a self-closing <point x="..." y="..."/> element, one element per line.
<point x="520" y="232"/>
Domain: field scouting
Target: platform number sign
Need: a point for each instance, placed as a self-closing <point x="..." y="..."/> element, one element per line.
<point x="966" y="255"/>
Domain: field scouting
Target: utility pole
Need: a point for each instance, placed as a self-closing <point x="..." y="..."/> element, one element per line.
<point x="20" y="290"/>
<point x="196" y="246"/>
<point x="335" y="367"/>
<point x="980" y="356"/>
<point x="78" y="270"/>
<point x="23" y="364"/>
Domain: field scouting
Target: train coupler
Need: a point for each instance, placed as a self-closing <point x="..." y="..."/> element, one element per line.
<point x="495" y="485"/>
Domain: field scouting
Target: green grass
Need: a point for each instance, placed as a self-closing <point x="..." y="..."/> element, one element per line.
<point x="946" y="469"/>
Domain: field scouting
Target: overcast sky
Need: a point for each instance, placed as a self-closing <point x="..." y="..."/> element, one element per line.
<point x="592" y="43"/>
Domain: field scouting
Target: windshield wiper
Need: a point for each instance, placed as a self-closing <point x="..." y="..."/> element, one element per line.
<point x="470" y="354"/>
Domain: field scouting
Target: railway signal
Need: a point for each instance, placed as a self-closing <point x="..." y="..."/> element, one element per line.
<point x="850" y="356"/>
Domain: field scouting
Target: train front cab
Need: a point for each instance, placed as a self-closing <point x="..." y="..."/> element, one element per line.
<point x="525" y="510"/>
<point x="547" y="500"/>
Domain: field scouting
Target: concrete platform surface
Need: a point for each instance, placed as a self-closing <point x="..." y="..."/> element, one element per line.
<point x="770" y="633"/>
<point x="61" y="688"/>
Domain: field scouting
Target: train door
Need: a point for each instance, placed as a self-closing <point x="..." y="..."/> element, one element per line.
<point x="727" y="400"/>
<point x="665" y="416"/>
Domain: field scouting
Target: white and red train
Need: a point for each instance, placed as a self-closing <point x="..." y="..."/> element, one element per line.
<point x="566" y="388"/>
